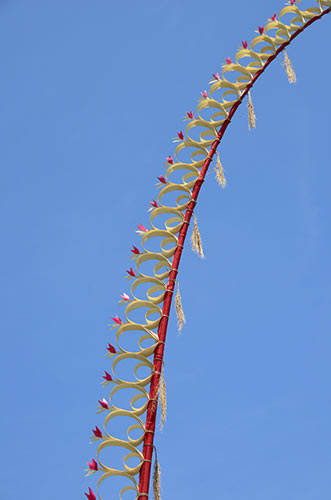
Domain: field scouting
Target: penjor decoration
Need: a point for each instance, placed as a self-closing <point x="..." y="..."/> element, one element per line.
<point x="153" y="293"/>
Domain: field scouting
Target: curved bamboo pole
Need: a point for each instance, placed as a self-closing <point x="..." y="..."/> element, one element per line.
<point x="145" y="470"/>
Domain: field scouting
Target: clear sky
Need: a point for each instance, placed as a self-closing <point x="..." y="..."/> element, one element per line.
<point x="92" y="93"/>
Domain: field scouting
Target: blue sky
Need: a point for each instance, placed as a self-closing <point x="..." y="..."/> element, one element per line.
<point x="92" y="93"/>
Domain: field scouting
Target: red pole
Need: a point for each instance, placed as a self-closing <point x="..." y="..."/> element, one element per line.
<point x="145" y="470"/>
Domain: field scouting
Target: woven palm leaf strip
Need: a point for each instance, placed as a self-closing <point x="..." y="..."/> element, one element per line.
<point x="157" y="299"/>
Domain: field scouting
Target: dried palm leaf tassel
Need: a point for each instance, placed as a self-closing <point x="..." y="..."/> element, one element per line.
<point x="289" y="68"/>
<point x="156" y="479"/>
<point x="196" y="239"/>
<point x="163" y="398"/>
<point x="251" y="113"/>
<point x="220" y="172"/>
<point x="179" y="310"/>
<point x="156" y="397"/>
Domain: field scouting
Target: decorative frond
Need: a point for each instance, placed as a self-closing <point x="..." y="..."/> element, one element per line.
<point x="157" y="479"/>
<point x="289" y="68"/>
<point x="196" y="239"/>
<point x="251" y="113"/>
<point x="179" y="310"/>
<point x="220" y="172"/>
<point x="163" y="398"/>
<point x="156" y="397"/>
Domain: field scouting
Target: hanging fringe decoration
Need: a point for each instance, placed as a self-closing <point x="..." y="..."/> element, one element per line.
<point x="156" y="398"/>
<point x="196" y="239"/>
<point x="289" y="68"/>
<point x="251" y="113"/>
<point x="179" y="310"/>
<point x="220" y="172"/>
<point x="163" y="398"/>
<point x="156" y="479"/>
<point x="161" y="394"/>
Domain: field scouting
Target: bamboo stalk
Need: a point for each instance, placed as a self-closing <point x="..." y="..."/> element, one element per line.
<point x="145" y="471"/>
